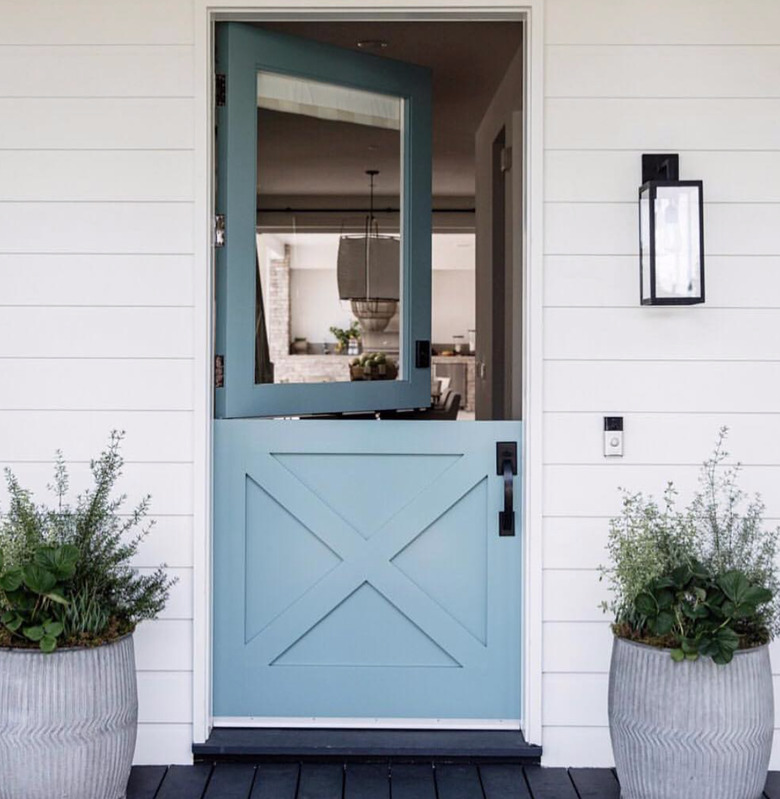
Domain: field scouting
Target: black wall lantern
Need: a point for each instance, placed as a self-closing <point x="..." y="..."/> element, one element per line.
<point x="671" y="234"/>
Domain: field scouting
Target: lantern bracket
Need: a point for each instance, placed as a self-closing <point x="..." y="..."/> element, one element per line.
<point x="660" y="166"/>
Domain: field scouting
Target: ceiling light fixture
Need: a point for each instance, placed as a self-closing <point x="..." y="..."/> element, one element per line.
<point x="368" y="271"/>
<point x="372" y="44"/>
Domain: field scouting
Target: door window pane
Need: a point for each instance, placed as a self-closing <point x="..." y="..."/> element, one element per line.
<point x="329" y="190"/>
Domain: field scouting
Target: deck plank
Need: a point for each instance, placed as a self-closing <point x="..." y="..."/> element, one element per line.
<point x="549" y="783"/>
<point x="321" y="781"/>
<point x="145" y="781"/>
<point x="504" y="782"/>
<point x="185" y="782"/>
<point x="276" y="781"/>
<point x="231" y="781"/>
<point x="458" y="782"/>
<point x="595" y="783"/>
<point x="367" y="781"/>
<point x="412" y="782"/>
<point x="772" y="789"/>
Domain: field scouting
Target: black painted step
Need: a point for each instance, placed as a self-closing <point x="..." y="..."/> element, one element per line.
<point x="226" y="744"/>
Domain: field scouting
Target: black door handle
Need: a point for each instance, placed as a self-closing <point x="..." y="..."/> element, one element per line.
<point x="506" y="466"/>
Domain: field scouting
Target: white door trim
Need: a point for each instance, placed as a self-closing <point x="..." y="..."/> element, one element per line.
<point x="206" y="12"/>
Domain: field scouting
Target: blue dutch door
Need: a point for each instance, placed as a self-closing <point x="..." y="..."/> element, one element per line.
<point x="363" y="572"/>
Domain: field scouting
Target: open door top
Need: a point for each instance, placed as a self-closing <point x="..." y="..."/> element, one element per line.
<point x="272" y="81"/>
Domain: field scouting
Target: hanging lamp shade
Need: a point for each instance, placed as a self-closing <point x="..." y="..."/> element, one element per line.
<point x="368" y="267"/>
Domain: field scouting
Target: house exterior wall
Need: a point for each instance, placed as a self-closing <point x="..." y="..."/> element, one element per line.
<point x="99" y="312"/>
<point x="624" y="77"/>
<point x="96" y="284"/>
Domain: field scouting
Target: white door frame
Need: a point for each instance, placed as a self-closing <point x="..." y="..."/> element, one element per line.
<point x="206" y="13"/>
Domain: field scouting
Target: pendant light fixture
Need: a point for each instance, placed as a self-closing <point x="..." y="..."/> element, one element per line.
<point x="368" y="270"/>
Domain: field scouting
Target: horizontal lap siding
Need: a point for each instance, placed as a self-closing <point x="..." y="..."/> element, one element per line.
<point x="697" y="77"/>
<point x="96" y="286"/>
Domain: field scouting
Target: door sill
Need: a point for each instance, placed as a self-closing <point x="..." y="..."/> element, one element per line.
<point x="355" y="745"/>
<point x="341" y="723"/>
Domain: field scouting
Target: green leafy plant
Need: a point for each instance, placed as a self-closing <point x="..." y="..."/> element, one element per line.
<point x="701" y="581"/>
<point x="343" y="335"/>
<point x="65" y="572"/>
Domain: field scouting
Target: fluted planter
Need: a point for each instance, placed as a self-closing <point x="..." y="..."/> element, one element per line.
<point x="690" y="730"/>
<point x="67" y="722"/>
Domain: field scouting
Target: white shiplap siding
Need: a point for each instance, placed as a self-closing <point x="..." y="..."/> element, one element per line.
<point x="96" y="285"/>
<point x="697" y="77"/>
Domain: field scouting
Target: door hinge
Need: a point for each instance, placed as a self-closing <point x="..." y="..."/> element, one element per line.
<point x="220" y="90"/>
<point x="219" y="371"/>
<point x="219" y="230"/>
<point x="506" y="159"/>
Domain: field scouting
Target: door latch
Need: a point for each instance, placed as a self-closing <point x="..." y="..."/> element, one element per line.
<point x="506" y="467"/>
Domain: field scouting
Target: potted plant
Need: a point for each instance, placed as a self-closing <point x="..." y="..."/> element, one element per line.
<point x="695" y="603"/>
<point x="348" y="339"/>
<point x="69" y="602"/>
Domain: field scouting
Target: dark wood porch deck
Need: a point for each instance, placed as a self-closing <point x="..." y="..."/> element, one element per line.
<point x="378" y="781"/>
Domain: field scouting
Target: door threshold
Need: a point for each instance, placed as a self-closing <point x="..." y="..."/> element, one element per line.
<point x="355" y="745"/>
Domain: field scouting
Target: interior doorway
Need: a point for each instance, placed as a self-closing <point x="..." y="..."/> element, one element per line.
<point x="304" y="212"/>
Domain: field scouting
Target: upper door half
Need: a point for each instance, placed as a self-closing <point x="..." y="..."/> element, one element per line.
<point x="281" y="89"/>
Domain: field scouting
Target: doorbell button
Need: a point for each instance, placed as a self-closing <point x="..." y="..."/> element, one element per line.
<point x="613" y="436"/>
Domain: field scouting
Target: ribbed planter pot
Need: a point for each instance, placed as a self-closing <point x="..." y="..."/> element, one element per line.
<point x="690" y="730"/>
<point x="67" y="722"/>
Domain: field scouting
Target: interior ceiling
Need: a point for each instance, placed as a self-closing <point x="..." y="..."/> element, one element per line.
<point x="303" y="156"/>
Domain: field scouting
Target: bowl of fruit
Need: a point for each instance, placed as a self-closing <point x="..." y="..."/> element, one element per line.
<point x="373" y="366"/>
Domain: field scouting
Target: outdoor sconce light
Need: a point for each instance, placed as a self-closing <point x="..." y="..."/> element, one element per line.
<point x="671" y="234"/>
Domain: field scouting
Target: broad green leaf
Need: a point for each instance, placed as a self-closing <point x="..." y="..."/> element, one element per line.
<point x="700" y="594"/>
<point x="744" y="611"/>
<point x="681" y="576"/>
<point x="38" y="579"/>
<point x="33" y="633"/>
<point x="48" y="643"/>
<point x="728" y="608"/>
<point x="2" y="560"/>
<point x="678" y="655"/>
<point x="688" y="646"/>
<point x="53" y="628"/>
<point x="723" y="656"/>
<point x="9" y="615"/>
<point x="692" y="656"/>
<point x="755" y="595"/>
<point x="697" y="570"/>
<point x="63" y="561"/>
<point x="646" y="604"/>
<point x="57" y="597"/>
<point x="664" y="623"/>
<point x="734" y="585"/>
<point x="665" y="599"/>
<point x="727" y="637"/>
<point x="14" y="624"/>
<point x="11" y="580"/>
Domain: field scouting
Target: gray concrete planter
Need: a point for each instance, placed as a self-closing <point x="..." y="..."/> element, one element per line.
<point x="690" y="730"/>
<point x="67" y="722"/>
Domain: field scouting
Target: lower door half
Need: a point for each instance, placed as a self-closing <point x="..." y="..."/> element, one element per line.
<point x="359" y="574"/>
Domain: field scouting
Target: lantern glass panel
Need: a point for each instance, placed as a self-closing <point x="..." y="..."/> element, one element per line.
<point x="677" y="242"/>
<point x="644" y="241"/>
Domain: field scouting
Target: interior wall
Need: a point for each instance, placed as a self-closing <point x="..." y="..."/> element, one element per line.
<point x="489" y="302"/>
<point x="623" y="78"/>
<point x="454" y="304"/>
